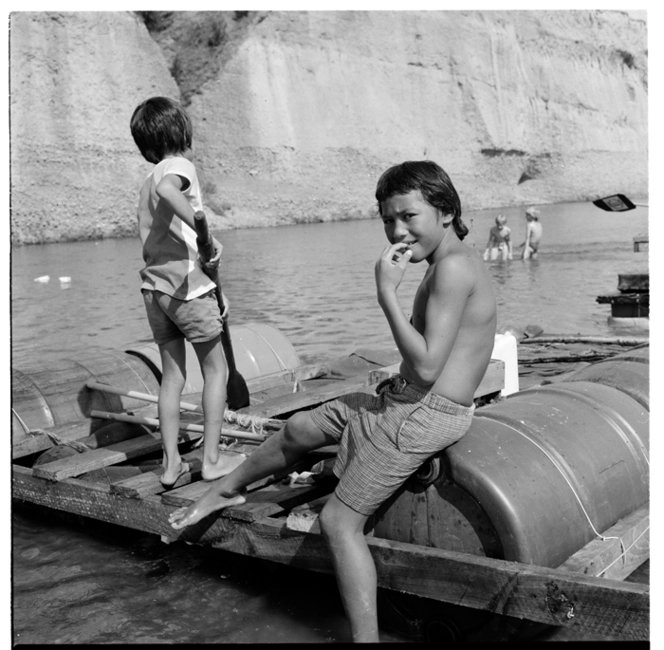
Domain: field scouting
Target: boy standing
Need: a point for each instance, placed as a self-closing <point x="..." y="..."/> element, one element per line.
<point x="383" y="439"/>
<point x="533" y="234"/>
<point x="179" y="297"/>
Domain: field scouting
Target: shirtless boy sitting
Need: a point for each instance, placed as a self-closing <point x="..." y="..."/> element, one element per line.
<point x="384" y="438"/>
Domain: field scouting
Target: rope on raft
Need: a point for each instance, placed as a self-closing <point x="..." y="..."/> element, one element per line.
<point x="254" y="422"/>
<point x="54" y="438"/>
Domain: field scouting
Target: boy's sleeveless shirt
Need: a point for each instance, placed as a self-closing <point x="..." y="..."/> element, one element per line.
<point x="169" y="249"/>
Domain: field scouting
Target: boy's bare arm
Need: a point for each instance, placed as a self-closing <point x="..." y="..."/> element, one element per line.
<point x="169" y="190"/>
<point x="143" y="212"/>
<point x="448" y="288"/>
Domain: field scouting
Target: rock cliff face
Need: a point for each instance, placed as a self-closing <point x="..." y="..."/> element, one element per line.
<point x="296" y="114"/>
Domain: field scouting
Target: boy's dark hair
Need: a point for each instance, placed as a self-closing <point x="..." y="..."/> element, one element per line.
<point x="431" y="180"/>
<point x="160" y="126"/>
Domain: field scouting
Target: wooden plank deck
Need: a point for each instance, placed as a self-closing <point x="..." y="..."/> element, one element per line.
<point x="553" y="596"/>
<point x="279" y="523"/>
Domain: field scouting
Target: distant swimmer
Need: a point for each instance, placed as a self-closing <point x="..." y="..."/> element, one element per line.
<point x="499" y="245"/>
<point x="533" y="234"/>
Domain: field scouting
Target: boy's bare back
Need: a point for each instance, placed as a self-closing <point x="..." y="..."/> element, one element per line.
<point x="535" y="228"/>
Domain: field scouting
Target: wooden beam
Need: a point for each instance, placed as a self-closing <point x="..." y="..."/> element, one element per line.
<point x="625" y="547"/>
<point x="599" y="606"/>
<point x="35" y="442"/>
<point x="270" y="500"/>
<point x="265" y="382"/>
<point x="609" y="340"/>
<point x="97" y="458"/>
<point x="307" y="398"/>
<point x="90" y="432"/>
<point x="148" y="483"/>
<point x="286" y="377"/>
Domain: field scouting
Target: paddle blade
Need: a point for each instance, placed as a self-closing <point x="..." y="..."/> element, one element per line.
<point x="615" y="203"/>
<point x="237" y="391"/>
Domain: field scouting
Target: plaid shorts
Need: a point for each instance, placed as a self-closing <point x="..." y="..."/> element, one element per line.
<point x="385" y="438"/>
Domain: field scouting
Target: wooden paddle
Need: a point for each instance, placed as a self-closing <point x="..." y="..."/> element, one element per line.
<point x="236" y="387"/>
<point x="617" y="203"/>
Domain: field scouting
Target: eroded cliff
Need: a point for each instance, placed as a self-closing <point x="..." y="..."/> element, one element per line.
<point x="297" y="113"/>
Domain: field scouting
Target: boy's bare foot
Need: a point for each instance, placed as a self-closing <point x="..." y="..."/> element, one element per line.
<point x="225" y="464"/>
<point x="210" y="502"/>
<point x="171" y="475"/>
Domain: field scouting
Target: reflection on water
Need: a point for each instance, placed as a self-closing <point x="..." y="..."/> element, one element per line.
<point x="315" y="283"/>
<point x="90" y="582"/>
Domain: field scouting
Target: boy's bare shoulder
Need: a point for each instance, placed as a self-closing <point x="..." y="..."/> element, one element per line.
<point x="461" y="267"/>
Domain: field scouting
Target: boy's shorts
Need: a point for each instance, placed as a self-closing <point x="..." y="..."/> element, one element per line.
<point x="385" y="438"/>
<point x="198" y="320"/>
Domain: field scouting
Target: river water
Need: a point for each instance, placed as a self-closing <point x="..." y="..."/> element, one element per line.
<point x="87" y="582"/>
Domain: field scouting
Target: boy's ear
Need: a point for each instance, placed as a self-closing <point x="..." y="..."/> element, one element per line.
<point x="447" y="218"/>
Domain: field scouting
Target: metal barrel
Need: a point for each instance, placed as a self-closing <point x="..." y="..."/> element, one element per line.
<point x="54" y="394"/>
<point x="539" y="474"/>
<point x="259" y="350"/>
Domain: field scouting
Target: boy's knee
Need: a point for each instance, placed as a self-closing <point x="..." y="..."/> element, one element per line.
<point x="334" y="521"/>
<point x="296" y="429"/>
<point x="328" y="521"/>
<point x="174" y="379"/>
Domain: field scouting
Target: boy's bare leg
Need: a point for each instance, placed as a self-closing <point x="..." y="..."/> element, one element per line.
<point x="168" y="407"/>
<point x="278" y="452"/>
<point x="354" y="567"/>
<point x="213" y="366"/>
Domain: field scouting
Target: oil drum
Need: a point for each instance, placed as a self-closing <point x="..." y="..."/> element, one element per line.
<point x="539" y="474"/>
<point x="258" y="349"/>
<point x="54" y="394"/>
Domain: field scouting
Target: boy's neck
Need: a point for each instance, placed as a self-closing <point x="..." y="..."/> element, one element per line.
<point x="187" y="153"/>
<point x="449" y="242"/>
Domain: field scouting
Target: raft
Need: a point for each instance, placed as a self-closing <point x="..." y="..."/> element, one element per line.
<point x="540" y="512"/>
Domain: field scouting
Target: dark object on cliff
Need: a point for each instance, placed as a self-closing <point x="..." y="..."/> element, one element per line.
<point x="237" y="391"/>
<point x="616" y="203"/>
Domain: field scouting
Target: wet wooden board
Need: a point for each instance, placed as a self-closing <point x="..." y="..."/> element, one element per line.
<point x="552" y="596"/>
<point x="273" y="380"/>
<point x="148" y="483"/>
<point x="35" y="442"/>
<point x="91" y="432"/>
<point x="308" y="398"/>
<point x="264" y="502"/>
<point x="97" y="458"/>
<point x="625" y="547"/>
